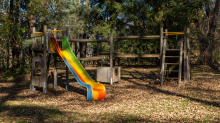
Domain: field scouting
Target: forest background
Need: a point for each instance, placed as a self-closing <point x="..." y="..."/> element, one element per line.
<point x="130" y="17"/>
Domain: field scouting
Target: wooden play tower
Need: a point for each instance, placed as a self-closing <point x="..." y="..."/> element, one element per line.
<point x="170" y="59"/>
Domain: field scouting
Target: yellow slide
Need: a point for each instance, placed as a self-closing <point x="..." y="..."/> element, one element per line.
<point x="95" y="91"/>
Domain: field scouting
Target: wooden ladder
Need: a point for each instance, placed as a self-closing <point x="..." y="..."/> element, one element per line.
<point x="168" y="56"/>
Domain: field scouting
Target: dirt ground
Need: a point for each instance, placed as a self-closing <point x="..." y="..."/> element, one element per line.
<point x="137" y="98"/>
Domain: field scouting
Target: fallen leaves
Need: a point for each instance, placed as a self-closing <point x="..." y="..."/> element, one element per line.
<point x="137" y="96"/>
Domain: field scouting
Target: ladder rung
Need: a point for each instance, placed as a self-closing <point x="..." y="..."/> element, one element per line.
<point x="171" y="63"/>
<point x="171" y="78"/>
<point x="172" y="56"/>
<point x="172" y="70"/>
<point x="172" y="49"/>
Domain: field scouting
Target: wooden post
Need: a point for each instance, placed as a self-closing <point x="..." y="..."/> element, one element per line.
<point x="185" y="56"/>
<point x="33" y="43"/>
<point x="73" y="47"/>
<point x="49" y="36"/>
<point x="115" y="49"/>
<point x="83" y="50"/>
<point x="161" y="44"/>
<point x="76" y="52"/>
<point x="55" y="60"/>
<point x="180" y="62"/>
<point x="67" y="69"/>
<point x="118" y="43"/>
<point x="49" y="52"/>
<point x="44" y="61"/>
<point x="33" y="63"/>
<point x="111" y="55"/>
<point x="63" y="35"/>
<point x="163" y="58"/>
<point x="55" y="33"/>
<point x="188" y="64"/>
<point x="98" y="45"/>
<point x="55" y="71"/>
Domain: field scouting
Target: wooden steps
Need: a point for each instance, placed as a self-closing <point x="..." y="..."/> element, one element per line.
<point x="171" y="64"/>
<point x="172" y="49"/>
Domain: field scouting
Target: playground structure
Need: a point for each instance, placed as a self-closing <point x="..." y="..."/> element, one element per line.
<point x="95" y="91"/>
<point x="169" y="58"/>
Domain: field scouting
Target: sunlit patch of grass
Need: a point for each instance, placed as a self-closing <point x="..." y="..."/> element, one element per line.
<point x="141" y="107"/>
<point x="168" y="108"/>
<point x="19" y="99"/>
<point x="185" y="101"/>
<point x="209" y="118"/>
<point x="74" y="117"/>
<point x="204" y="105"/>
<point x="197" y="93"/>
<point x="149" y="112"/>
<point x="167" y="98"/>
<point x="117" y="117"/>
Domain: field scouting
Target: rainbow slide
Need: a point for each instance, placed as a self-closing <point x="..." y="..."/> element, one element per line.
<point x="95" y="91"/>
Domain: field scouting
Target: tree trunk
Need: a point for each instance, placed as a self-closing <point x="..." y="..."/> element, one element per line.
<point x="15" y="40"/>
<point x="8" y="55"/>
<point x="11" y="19"/>
<point x="29" y="18"/>
<point x="207" y="42"/>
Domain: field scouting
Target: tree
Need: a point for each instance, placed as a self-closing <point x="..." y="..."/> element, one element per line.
<point x="207" y="24"/>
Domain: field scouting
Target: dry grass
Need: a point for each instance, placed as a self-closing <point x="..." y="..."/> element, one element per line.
<point x="137" y="98"/>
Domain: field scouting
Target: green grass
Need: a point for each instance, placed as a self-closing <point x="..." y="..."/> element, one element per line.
<point x="149" y="112"/>
<point x="19" y="99"/>
<point x="167" y="98"/>
<point x="185" y="101"/>
<point x="204" y="105"/>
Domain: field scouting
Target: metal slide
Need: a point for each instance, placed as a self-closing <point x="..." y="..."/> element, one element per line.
<point x="95" y="91"/>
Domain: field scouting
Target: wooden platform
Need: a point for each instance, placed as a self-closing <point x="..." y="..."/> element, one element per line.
<point x="37" y="35"/>
<point x="137" y="55"/>
<point x="138" y="37"/>
<point x="99" y="57"/>
<point x="107" y="52"/>
<point x="84" y="40"/>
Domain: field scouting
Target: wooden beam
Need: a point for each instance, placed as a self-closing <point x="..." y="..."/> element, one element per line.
<point x="138" y="37"/>
<point x="99" y="57"/>
<point x="37" y="34"/>
<point x="137" y="56"/>
<point x="85" y="40"/>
